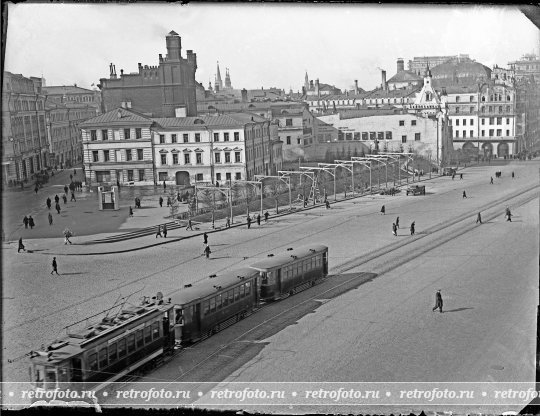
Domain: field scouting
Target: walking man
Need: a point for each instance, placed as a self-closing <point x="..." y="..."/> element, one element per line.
<point x="21" y="246"/>
<point x="25" y="221"/>
<point x="464" y="194"/>
<point x="491" y="182"/>
<point x="64" y="197"/>
<point x="461" y="176"/>
<point x="66" y="189"/>
<point x="258" y="219"/>
<point x="164" y="185"/>
<point x="31" y="222"/>
<point x="161" y="202"/>
<point x="412" y="228"/>
<point x="67" y="234"/>
<point x="508" y="215"/>
<point x="438" y="302"/>
<point x="130" y="211"/>
<point x="189" y="225"/>
<point x="164" y="230"/>
<point x="453" y="176"/>
<point x="228" y="223"/>
<point x="49" y="203"/>
<point x="54" y="266"/>
<point x="383" y="210"/>
<point x="266" y="215"/>
<point x="205" y="239"/>
<point x="479" y="219"/>
<point x="56" y="198"/>
<point x="72" y="197"/>
<point x="512" y="174"/>
<point x="50" y="219"/>
<point x="36" y="189"/>
<point x="397" y="222"/>
<point x="57" y="207"/>
<point x="158" y="234"/>
<point x="394" y="229"/>
<point x="249" y="222"/>
<point x="207" y="252"/>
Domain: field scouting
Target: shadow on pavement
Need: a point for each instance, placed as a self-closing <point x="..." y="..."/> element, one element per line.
<point x="457" y="310"/>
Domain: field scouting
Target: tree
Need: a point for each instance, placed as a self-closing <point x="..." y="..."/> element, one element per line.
<point x="244" y="191"/>
<point x="274" y="190"/>
<point x="174" y="206"/>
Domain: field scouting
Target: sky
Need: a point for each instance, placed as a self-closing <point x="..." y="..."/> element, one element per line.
<point x="263" y="45"/>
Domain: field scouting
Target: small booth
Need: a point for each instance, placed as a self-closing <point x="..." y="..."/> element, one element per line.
<point x="107" y="198"/>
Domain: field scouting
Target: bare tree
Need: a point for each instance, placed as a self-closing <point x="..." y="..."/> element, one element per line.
<point x="243" y="191"/>
<point x="174" y="205"/>
<point x="274" y="189"/>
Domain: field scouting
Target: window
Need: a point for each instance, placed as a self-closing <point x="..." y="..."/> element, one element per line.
<point x="161" y="138"/>
<point x="217" y="157"/>
<point x="228" y="176"/>
<point x="372" y="135"/>
<point x="236" y="136"/>
<point x="112" y="352"/>
<point x="380" y="135"/>
<point x="199" y="177"/>
<point x="212" y="305"/>
<point x="130" y="175"/>
<point x="127" y="134"/>
<point x="457" y="122"/>
<point x="457" y="110"/>
<point x="413" y="122"/>
<point x="491" y="132"/>
<point x="348" y="136"/>
<point x="401" y="122"/>
<point x="500" y="109"/>
<point x="139" y="338"/>
<point x="388" y="135"/>
<point x="138" y="133"/>
<point x="236" y="293"/>
<point x="364" y="135"/>
<point x="288" y="122"/>
<point x="147" y="335"/>
<point x="175" y="158"/>
<point x="198" y="158"/>
<point x="122" y="348"/>
<point x="457" y="133"/>
<point x="95" y="156"/>
<point x="471" y="133"/>
<point x="483" y="133"/>
<point x="508" y="132"/>
<point x="471" y="110"/>
<point x="288" y="139"/>
<point x="186" y="138"/>
<point x="197" y="137"/>
<point x="130" y="343"/>
<point x="499" y="121"/>
<point x="139" y="154"/>
<point x="216" y="137"/>
<point x="403" y="139"/>
<point x="298" y="140"/>
<point x="499" y="132"/>
<point x="225" y="137"/>
<point x="457" y="99"/>
<point x="237" y="157"/>
<point x="471" y="122"/>
<point x="491" y="120"/>
<point x="141" y="175"/>
<point x="507" y="121"/>
<point x="238" y="176"/>
<point x="471" y="99"/>
<point x="174" y="138"/>
<point x="186" y="158"/>
<point x="417" y="137"/>
<point x="106" y="155"/>
<point x="103" y="357"/>
<point x="104" y="135"/>
<point x="483" y="121"/>
<point x="227" y="157"/>
<point x="92" y="362"/>
<point x="356" y="136"/>
<point x="163" y="159"/>
<point x="155" y="330"/>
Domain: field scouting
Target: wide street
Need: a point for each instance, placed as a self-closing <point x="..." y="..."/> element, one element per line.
<point x="378" y="328"/>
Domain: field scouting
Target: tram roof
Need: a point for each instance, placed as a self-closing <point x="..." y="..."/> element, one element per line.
<point x="286" y="258"/>
<point x="210" y="286"/>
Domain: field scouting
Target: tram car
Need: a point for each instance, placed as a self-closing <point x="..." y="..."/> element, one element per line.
<point x="213" y="304"/>
<point x="299" y="268"/>
<point x="104" y="352"/>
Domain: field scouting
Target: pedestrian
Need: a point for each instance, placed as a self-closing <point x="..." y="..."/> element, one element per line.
<point x="164" y="185"/>
<point x="394" y="229"/>
<point x="383" y="210"/>
<point x="71" y="177"/>
<point x="453" y="176"/>
<point x="512" y="174"/>
<point x="31" y="222"/>
<point x="438" y="302"/>
<point x="66" y="189"/>
<point x="491" y="182"/>
<point x="266" y="215"/>
<point x="228" y="223"/>
<point x="412" y="228"/>
<point x="57" y="207"/>
<point x="50" y="219"/>
<point x="25" y="221"/>
<point x="168" y="201"/>
<point x="72" y="197"/>
<point x="464" y="194"/>
<point x="258" y="219"/>
<point x="461" y="176"/>
<point x="189" y="225"/>
<point x="49" y="203"/>
<point x="479" y="219"/>
<point x="36" y="189"/>
<point x="508" y="215"/>
<point x="164" y="230"/>
<point x="249" y="222"/>
<point x="207" y="251"/>
<point x="205" y="239"/>
<point x="327" y="204"/>
<point x="64" y="198"/>
<point x="161" y="202"/>
<point x="397" y="222"/>
<point x="158" y="234"/>
<point x="21" y="246"/>
<point x="75" y="172"/>
<point x="56" y="198"/>
<point x="67" y="235"/>
<point x="54" y="266"/>
<point x="130" y="211"/>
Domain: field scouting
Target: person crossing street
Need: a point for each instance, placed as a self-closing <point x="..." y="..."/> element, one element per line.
<point x="438" y="302"/>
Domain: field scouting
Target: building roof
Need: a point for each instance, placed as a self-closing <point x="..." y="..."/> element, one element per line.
<point x="405" y="76"/>
<point x="459" y="72"/>
<point x="66" y="89"/>
<point x="392" y="93"/>
<point x="112" y="117"/>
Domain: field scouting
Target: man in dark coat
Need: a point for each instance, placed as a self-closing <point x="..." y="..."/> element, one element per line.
<point x="31" y="222"/>
<point x="49" y="202"/>
<point x="464" y="194"/>
<point x="56" y="198"/>
<point x="479" y="219"/>
<point x="508" y="215"/>
<point x="258" y="219"/>
<point x="50" y="219"/>
<point x="21" y="246"/>
<point x="158" y="234"/>
<point x="25" y="221"/>
<point x="438" y="302"/>
<point x="249" y="222"/>
<point x="397" y="222"/>
<point x="383" y="210"/>
<point x="189" y="225"/>
<point x="161" y="201"/>
<point x="66" y="189"/>
<point x="164" y="230"/>
<point x="64" y="198"/>
<point x="54" y="266"/>
<point x="394" y="229"/>
<point x="412" y="228"/>
<point x="207" y="251"/>
<point x="205" y="239"/>
<point x="73" y="196"/>
<point x="266" y="215"/>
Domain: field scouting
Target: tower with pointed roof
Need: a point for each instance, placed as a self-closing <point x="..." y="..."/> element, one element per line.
<point x="228" y="85"/>
<point x="218" y="84"/>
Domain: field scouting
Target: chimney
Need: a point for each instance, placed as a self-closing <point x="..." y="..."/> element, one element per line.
<point x="355" y="87"/>
<point x="244" y="95"/>
<point x="400" y="65"/>
<point x="384" y="86"/>
<point x="317" y="91"/>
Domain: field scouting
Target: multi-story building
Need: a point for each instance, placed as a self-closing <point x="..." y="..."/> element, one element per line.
<point x="24" y="135"/>
<point x="64" y="136"/>
<point x="165" y="90"/>
<point x="73" y="94"/>
<point x="403" y="78"/>
<point x="124" y="146"/>
<point x="419" y="64"/>
<point x="526" y="67"/>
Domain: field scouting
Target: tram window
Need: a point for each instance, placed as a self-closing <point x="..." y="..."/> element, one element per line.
<point x="103" y="357"/>
<point x="112" y="352"/>
<point x="122" y="348"/>
<point x="155" y="330"/>
<point x="50" y="375"/>
<point x="231" y="296"/>
<point x="63" y="375"/>
<point x="213" y="305"/>
<point x="39" y="376"/>
<point x="218" y="301"/>
<point x="248" y="288"/>
<point x="178" y="317"/>
<point x="225" y="299"/>
<point x="205" y="307"/>
<point x="131" y="343"/>
<point x="264" y="278"/>
<point x="139" y="338"/>
<point x="236" y="293"/>
<point x="242" y="290"/>
<point x="92" y="362"/>
<point x="147" y="335"/>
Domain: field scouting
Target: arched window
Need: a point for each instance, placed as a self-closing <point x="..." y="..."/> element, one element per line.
<point x="483" y="98"/>
<point x="507" y="98"/>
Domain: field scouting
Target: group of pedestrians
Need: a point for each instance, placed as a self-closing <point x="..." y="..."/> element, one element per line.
<point x="257" y="218"/>
<point x="162" y="230"/>
<point x="395" y="225"/>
